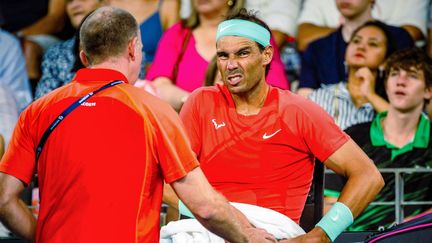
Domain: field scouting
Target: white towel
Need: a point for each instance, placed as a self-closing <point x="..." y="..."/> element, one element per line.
<point x="191" y="231"/>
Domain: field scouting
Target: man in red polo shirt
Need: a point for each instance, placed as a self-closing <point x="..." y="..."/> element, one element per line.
<point x="102" y="168"/>
<point x="257" y="144"/>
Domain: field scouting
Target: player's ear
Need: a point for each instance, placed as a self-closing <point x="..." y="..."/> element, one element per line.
<point x="267" y="55"/>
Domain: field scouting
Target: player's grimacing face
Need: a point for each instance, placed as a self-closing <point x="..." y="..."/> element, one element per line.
<point x="241" y="63"/>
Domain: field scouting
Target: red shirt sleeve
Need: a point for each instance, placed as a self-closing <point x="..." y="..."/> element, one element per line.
<point x="189" y="114"/>
<point x="172" y="146"/>
<point x="19" y="159"/>
<point x="320" y="133"/>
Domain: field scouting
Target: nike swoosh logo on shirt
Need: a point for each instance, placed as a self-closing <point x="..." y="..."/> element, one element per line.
<point x="265" y="136"/>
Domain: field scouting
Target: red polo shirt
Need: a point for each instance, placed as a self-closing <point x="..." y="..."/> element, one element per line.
<point x="265" y="159"/>
<point x="101" y="171"/>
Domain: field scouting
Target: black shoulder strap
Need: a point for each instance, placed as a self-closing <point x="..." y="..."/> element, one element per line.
<point x="180" y="55"/>
<point x="66" y="112"/>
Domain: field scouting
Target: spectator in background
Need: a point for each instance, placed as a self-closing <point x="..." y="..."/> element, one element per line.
<point x="429" y="31"/>
<point x="59" y="58"/>
<point x="154" y="18"/>
<point x="279" y="15"/>
<point x="38" y="23"/>
<point x="9" y="112"/>
<point x="319" y="18"/>
<point x="187" y="48"/>
<point x="212" y="76"/>
<point x="323" y="61"/>
<point x="2" y="146"/>
<point x="8" y="117"/>
<point x="428" y="108"/>
<point x="13" y="75"/>
<point x="152" y="143"/>
<point x="398" y="138"/>
<point x="356" y="100"/>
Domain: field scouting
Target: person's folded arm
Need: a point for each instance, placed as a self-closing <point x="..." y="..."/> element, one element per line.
<point x="415" y="33"/>
<point x="2" y="146"/>
<point x="379" y="103"/>
<point x="279" y="37"/>
<point x="308" y="33"/>
<point x="169" y="12"/>
<point x="368" y="89"/>
<point x="305" y="92"/>
<point x="51" y="23"/>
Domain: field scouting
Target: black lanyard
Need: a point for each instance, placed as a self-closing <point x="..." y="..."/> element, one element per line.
<point x="66" y="112"/>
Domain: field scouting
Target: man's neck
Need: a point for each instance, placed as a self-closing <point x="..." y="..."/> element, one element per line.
<point x="352" y="24"/>
<point x="251" y="103"/>
<point x="399" y="128"/>
<point x="114" y="65"/>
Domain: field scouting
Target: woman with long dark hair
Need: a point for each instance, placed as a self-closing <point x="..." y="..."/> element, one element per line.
<point x="358" y="98"/>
